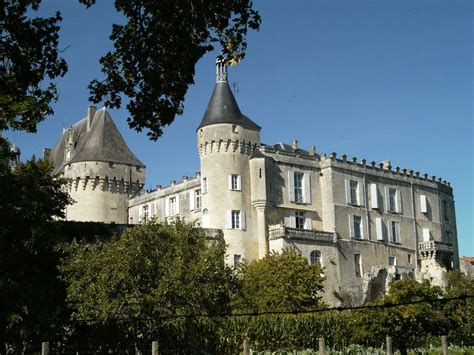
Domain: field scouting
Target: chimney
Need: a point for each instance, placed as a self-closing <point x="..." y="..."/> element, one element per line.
<point x="46" y="153"/>
<point x="312" y="150"/>
<point x="386" y="164"/>
<point x="221" y="70"/>
<point x="294" y="144"/>
<point x="91" y="110"/>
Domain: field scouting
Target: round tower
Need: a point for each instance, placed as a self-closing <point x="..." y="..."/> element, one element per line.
<point x="102" y="171"/>
<point x="226" y="139"/>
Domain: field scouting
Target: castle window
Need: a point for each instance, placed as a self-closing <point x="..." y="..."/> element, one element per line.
<point x="299" y="220"/>
<point x="394" y="232"/>
<point x="204" y="186"/>
<point x="423" y="204"/>
<point x="394" y="200"/>
<point x="392" y="261"/>
<point x="315" y="257"/>
<point x="237" y="259"/>
<point x="358" y="265"/>
<point x="197" y="199"/>
<point x="299" y="187"/>
<point x="445" y="210"/>
<point x="354" y="193"/>
<point x="235" y="183"/>
<point x="236" y="220"/>
<point x="355" y="224"/>
<point x="409" y="258"/>
<point x="145" y="213"/>
<point x="426" y="235"/>
<point x="172" y="206"/>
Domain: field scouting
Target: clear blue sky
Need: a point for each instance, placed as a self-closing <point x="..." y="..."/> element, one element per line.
<point x="378" y="79"/>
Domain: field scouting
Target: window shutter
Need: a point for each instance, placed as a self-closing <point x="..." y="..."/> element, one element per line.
<point x="361" y="193"/>
<point x="307" y="188"/>
<point x="390" y="231"/>
<point x="348" y="191"/>
<point x="351" y="226"/>
<point x="229" y="182"/>
<point x="243" y="220"/>
<point x="239" y="182"/>
<point x="423" y="204"/>
<point x="292" y="219"/>
<point x="167" y="207"/>
<point x="379" y="228"/>
<point x="152" y="209"/>
<point x="399" y="201"/>
<point x="363" y="228"/>
<point x="387" y="199"/>
<point x="308" y="223"/>
<point x="291" y="185"/>
<point x="229" y="219"/>
<point x="192" y="194"/>
<point x="177" y="204"/>
<point x="374" y="196"/>
<point x="426" y="235"/>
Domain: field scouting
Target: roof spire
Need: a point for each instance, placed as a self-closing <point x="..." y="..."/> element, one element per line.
<point x="221" y="70"/>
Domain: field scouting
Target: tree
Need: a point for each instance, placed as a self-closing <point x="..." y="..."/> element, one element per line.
<point x="30" y="291"/>
<point x="152" y="63"/>
<point x="151" y="271"/>
<point x="279" y="282"/>
<point x="408" y="324"/>
<point x="460" y="313"/>
<point x="29" y="61"/>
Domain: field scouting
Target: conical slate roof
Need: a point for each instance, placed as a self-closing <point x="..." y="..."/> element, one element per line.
<point x="102" y="142"/>
<point x="223" y="108"/>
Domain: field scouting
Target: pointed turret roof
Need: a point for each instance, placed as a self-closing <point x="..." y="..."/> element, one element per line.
<point x="222" y="107"/>
<point x="94" y="138"/>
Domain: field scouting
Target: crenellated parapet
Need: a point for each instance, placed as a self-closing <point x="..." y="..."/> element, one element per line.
<point x="227" y="146"/>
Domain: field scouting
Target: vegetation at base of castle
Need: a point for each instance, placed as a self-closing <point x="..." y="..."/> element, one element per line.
<point x="152" y="63"/>
<point x="279" y="282"/>
<point x="152" y="270"/>
<point x="31" y="295"/>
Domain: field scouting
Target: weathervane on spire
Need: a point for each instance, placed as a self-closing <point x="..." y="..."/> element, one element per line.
<point x="221" y="69"/>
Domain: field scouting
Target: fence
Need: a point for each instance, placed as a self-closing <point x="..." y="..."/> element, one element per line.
<point x="246" y="349"/>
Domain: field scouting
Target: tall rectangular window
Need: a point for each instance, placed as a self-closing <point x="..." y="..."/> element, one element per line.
<point x="204" y="186"/>
<point x="445" y="210"/>
<point x="145" y="213"/>
<point x="298" y="186"/>
<point x="197" y="199"/>
<point x="299" y="220"/>
<point x="392" y="200"/>
<point x="172" y="206"/>
<point x="394" y="232"/>
<point x="237" y="259"/>
<point x="392" y="261"/>
<point x="234" y="179"/>
<point x="357" y="225"/>
<point x="354" y="188"/>
<point x="235" y="219"/>
<point x="358" y="265"/>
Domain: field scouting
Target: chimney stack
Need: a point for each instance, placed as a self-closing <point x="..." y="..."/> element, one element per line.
<point x="91" y="110"/>
<point x="221" y="70"/>
<point x="294" y="144"/>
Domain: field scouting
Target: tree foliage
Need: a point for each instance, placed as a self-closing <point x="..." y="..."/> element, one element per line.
<point x="151" y="271"/>
<point x="29" y="59"/>
<point x="156" y="50"/>
<point x="30" y="294"/>
<point x="279" y="282"/>
<point x="152" y="63"/>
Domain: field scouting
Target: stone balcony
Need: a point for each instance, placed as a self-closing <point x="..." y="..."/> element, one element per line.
<point x="280" y="231"/>
<point x="433" y="249"/>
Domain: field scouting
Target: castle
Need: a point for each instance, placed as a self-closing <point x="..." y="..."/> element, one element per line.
<point x="366" y="223"/>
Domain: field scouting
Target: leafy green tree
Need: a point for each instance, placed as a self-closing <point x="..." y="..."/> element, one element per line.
<point x="152" y="63"/>
<point x="460" y="313"/>
<point x="279" y="282"/>
<point x="30" y="292"/>
<point x="152" y="270"/>
<point x="408" y="325"/>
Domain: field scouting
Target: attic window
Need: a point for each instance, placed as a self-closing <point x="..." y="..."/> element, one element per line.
<point x="234" y="128"/>
<point x="111" y="164"/>
<point x="138" y="168"/>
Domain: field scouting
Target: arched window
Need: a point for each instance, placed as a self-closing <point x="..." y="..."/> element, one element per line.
<point x="315" y="257"/>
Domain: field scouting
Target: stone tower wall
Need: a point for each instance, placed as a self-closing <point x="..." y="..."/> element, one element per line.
<point x="224" y="149"/>
<point x="101" y="190"/>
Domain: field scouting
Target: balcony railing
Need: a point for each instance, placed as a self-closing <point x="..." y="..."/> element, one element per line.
<point x="279" y="231"/>
<point x="433" y="245"/>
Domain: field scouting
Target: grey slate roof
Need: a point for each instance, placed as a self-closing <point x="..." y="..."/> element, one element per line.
<point x="223" y="108"/>
<point x="103" y="142"/>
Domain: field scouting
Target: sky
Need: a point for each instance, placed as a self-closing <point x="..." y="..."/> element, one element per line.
<point x="374" y="79"/>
